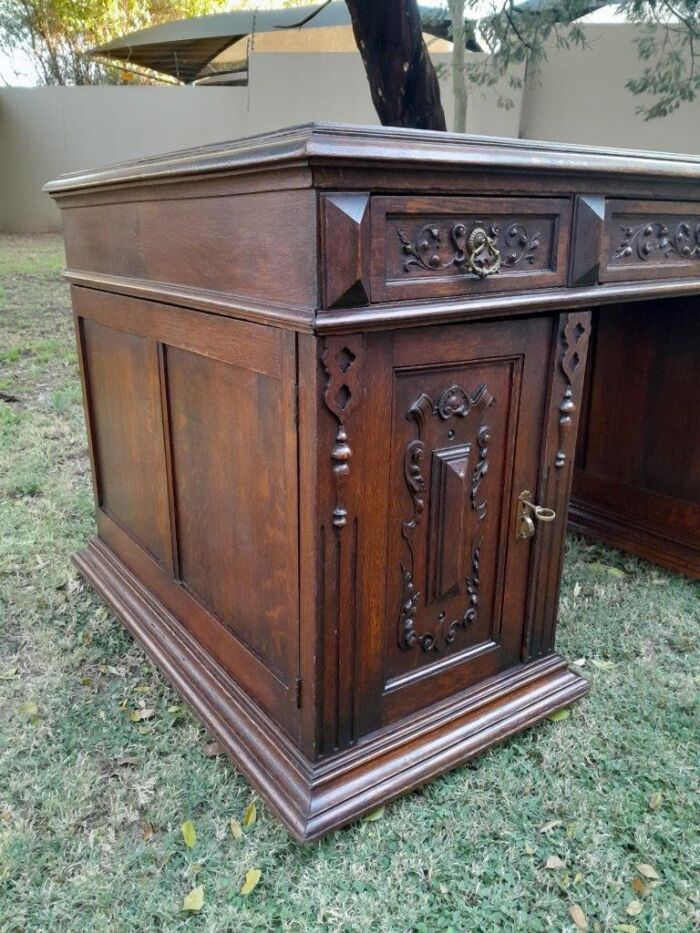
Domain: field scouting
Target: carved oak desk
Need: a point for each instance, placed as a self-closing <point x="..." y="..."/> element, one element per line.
<point x="332" y="379"/>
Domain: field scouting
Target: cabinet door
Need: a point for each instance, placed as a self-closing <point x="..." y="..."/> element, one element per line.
<point x="467" y="428"/>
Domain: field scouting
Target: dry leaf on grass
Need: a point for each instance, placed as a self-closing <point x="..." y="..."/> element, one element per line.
<point x="548" y="827"/>
<point x="212" y="749"/>
<point x="553" y="861"/>
<point x="251" y="881"/>
<point x="634" y="908"/>
<point x="236" y="830"/>
<point x="148" y="832"/>
<point x="136" y="715"/>
<point x="195" y="899"/>
<point x="655" y="801"/>
<point x="374" y="815"/>
<point x="189" y="834"/>
<point x="250" y="815"/>
<point x="647" y="871"/>
<point x="559" y="715"/>
<point x="579" y="918"/>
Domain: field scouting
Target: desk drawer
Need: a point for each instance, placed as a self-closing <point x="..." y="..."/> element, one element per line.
<point x="650" y="240"/>
<point x="443" y="246"/>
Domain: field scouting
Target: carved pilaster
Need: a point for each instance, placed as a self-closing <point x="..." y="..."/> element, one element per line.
<point x="574" y="345"/>
<point x="341" y="363"/>
<point x="566" y="385"/>
<point x="341" y="360"/>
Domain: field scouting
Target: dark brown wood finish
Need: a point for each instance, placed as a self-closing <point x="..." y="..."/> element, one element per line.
<point x="420" y="246"/>
<point x="650" y="240"/>
<point x="637" y="482"/>
<point x="332" y="381"/>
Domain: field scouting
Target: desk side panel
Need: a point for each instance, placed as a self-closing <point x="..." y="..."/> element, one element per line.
<point x="259" y="246"/>
<point x="193" y="442"/>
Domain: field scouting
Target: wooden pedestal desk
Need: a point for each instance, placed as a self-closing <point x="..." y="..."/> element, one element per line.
<point x="332" y="380"/>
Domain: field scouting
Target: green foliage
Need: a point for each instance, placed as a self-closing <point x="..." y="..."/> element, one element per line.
<point x="669" y="48"/>
<point x="92" y="801"/>
<point x="668" y="45"/>
<point x="57" y="33"/>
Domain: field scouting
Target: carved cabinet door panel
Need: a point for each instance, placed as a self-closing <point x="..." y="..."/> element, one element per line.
<point x="468" y="417"/>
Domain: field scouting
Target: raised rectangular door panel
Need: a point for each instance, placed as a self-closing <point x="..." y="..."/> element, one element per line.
<point x="234" y="510"/>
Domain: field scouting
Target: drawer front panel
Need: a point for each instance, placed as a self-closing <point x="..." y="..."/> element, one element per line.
<point x="650" y="240"/>
<point x="444" y="247"/>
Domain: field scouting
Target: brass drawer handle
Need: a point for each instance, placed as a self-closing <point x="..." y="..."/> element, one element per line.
<point x="527" y="510"/>
<point x="483" y="256"/>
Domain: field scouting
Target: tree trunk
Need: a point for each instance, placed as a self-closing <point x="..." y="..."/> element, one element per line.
<point x="404" y="86"/>
<point x="459" y="82"/>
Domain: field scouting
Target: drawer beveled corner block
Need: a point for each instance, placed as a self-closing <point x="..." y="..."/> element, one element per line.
<point x="589" y="221"/>
<point x="345" y="246"/>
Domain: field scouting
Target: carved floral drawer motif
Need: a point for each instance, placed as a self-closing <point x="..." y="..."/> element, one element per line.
<point x="462" y="246"/>
<point x="650" y="239"/>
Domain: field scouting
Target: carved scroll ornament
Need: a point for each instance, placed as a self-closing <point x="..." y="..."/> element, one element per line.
<point x="654" y="239"/>
<point x="473" y="248"/>
<point x="453" y="403"/>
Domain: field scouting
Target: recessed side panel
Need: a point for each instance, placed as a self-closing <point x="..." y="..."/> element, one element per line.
<point x="122" y="384"/>
<point x="234" y="500"/>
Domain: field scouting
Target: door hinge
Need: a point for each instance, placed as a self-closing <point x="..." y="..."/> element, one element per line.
<point x="298" y="687"/>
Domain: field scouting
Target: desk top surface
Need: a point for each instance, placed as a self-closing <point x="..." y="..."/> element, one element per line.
<point x="331" y="143"/>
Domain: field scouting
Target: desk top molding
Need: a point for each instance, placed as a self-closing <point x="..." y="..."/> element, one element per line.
<point x="326" y="227"/>
<point x="318" y="143"/>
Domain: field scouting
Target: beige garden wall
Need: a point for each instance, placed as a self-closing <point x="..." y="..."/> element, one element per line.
<point x="47" y="131"/>
<point x="577" y="97"/>
<point x="580" y="96"/>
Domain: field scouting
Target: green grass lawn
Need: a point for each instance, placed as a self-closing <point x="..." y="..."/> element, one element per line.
<point x="92" y="798"/>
